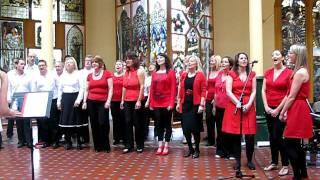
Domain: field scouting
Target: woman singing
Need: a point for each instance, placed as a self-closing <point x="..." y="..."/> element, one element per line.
<point x="231" y="121"/>
<point x="162" y="99"/>
<point x="132" y="95"/>
<point x="274" y="90"/>
<point x="98" y="97"/>
<point x="296" y="112"/>
<point x="191" y="103"/>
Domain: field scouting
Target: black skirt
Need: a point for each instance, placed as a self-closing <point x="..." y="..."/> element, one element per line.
<point x="70" y="115"/>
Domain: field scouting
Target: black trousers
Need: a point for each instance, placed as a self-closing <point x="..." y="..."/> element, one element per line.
<point x="48" y="127"/>
<point x="276" y="128"/>
<point x="99" y="119"/>
<point x="237" y="146"/>
<point x="24" y="131"/>
<point x="223" y="146"/>
<point x="210" y="121"/>
<point x="297" y="157"/>
<point x="163" y="118"/>
<point x="10" y="128"/>
<point x="84" y="130"/>
<point x="196" y="136"/>
<point x="133" y="118"/>
<point x="118" y="121"/>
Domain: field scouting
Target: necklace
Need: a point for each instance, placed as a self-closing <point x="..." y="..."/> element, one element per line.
<point x="97" y="73"/>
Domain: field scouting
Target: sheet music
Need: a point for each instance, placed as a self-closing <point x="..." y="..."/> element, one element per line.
<point x="35" y="104"/>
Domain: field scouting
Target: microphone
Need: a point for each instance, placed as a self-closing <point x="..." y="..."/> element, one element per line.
<point x="254" y="61"/>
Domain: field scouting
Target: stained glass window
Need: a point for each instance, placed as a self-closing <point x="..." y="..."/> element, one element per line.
<point x="158" y="27"/>
<point x="140" y="27"/>
<point x="37" y="12"/>
<point x="11" y="45"/>
<point x="71" y="11"/>
<point x="143" y="27"/>
<point x="293" y="23"/>
<point x="38" y="37"/>
<point x="123" y="30"/>
<point x="14" y="8"/>
<point x="75" y="43"/>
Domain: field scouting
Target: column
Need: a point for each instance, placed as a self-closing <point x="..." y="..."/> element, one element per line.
<point x="256" y="36"/>
<point x="47" y="32"/>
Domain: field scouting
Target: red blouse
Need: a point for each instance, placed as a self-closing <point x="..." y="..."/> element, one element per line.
<point x="211" y="88"/>
<point x="98" y="88"/>
<point x="117" y="88"/>
<point x="163" y="89"/>
<point x="199" y="88"/>
<point x="221" y="97"/>
<point x="278" y="89"/>
<point x="132" y="85"/>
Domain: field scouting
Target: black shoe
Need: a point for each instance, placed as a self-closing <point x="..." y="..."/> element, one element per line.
<point x="20" y="145"/>
<point x="1" y="147"/>
<point x="79" y="147"/>
<point x="45" y="145"/>
<point x="29" y="145"/>
<point x="195" y="155"/>
<point x="139" y="150"/>
<point x="67" y="146"/>
<point x="189" y="153"/>
<point x="126" y="150"/>
<point x="55" y="145"/>
<point x="107" y="151"/>
<point x="251" y="166"/>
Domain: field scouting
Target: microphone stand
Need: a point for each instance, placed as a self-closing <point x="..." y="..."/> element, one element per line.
<point x="239" y="173"/>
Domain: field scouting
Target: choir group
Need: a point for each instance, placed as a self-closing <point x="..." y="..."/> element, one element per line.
<point x="225" y="95"/>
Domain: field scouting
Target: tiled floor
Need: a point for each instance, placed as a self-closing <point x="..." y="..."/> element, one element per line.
<point x="86" y="164"/>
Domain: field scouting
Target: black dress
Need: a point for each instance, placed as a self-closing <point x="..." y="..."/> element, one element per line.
<point x="191" y="119"/>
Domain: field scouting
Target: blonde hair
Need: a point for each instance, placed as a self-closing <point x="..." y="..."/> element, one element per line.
<point x="218" y="61"/>
<point x="301" y="56"/>
<point x="74" y="62"/>
<point x="199" y="64"/>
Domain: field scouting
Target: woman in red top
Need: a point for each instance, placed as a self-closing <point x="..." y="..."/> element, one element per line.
<point x="162" y="98"/>
<point x="132" y="95"/>
<point x="231" y="120"/>
<point x="223" y="148"/>
<point x="296" y="112"/>
<point x="274" y="90"/>
<point x="191" y="102"/>
<point x="98" y="97"/>
<point x="116" y="112"/>
<point x="210" y="118"/>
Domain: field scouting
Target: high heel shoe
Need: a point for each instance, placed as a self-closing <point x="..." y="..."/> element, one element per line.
<point x="159" y="151"/>
<point x="165" y="151"/>
<point x="189" y="153"/>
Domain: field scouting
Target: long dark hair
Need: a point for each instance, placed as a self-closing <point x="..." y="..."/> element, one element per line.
<point x="167" y="62"/>
<point x="236" y="63"/>
<point x="132" y="55"/>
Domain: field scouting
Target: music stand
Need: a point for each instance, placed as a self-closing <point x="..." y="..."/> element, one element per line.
<point x="239" y="173"/>
<point x="32" y="105"/>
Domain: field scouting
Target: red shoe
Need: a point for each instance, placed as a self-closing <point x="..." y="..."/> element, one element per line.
<point x="165" y="151"/>
<point x="159" y="151"/>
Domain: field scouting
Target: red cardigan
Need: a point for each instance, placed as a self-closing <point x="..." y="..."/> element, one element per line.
<point x="199" y="88"/>
<point x="163" y="89"/>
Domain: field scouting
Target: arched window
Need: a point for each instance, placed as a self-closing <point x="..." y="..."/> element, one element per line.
<point x="175" y="27"/>
<point x="298" y="21"/>
<point x="75" y="44"/>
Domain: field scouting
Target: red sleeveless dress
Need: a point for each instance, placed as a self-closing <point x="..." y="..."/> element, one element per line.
<point x="231" y="121"/>
<point x="299" y="121"/>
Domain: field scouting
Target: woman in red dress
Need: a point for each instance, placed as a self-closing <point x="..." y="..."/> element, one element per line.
<point x="132" y="95"/>
<point x="274" y="90"/>
<point x="162" y="98"/>
<point x="296" y="112"/>
<point x="116" y="112"/>
<point x="231" y="121"/>
<point x="191" y="102"/>
<point x="210" y="118"/>
<point x="98" y="97"/>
